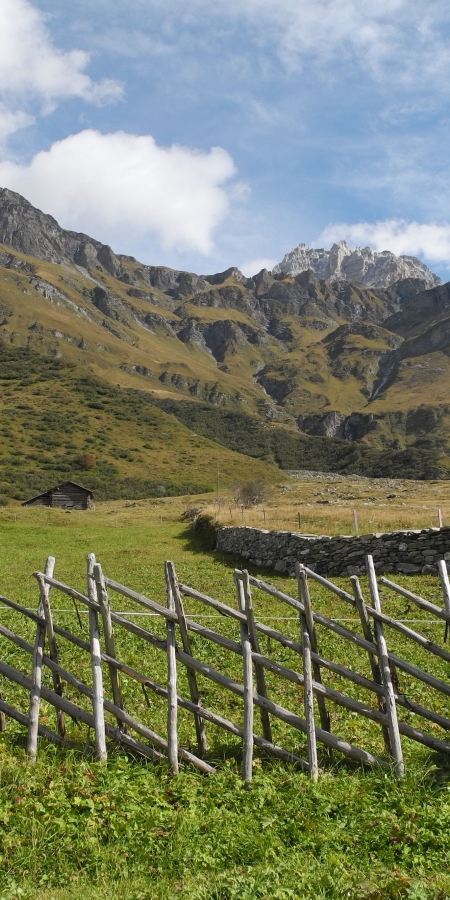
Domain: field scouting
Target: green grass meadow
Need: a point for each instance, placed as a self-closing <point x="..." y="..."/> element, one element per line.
<point x="71" y="827"/>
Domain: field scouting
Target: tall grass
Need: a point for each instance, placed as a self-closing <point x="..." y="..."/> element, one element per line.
<point x="330" y="520"/>
<point x="74" y="828"/>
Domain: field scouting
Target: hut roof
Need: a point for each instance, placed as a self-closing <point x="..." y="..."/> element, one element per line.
<point x="58" y="487"/>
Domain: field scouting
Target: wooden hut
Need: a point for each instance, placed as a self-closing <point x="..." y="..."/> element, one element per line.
<point x="64" y="496"/>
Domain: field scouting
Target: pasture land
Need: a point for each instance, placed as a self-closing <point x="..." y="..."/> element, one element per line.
<point x="71" y="827"/>
<point x="325" y="503"/>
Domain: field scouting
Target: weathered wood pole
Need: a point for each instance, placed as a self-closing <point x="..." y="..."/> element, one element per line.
<point x="22" y="719"/>
<point x="308" y="697"/>
<point x="419" y="601"/>
<point x="254" y="640"/>
<point x="439" y="517"/>
<point x="374" y="664"/>
<point x="443" y="575"/>
<point x="172" y="699"/>
<point x="108" y="637"/>
<point x="391" y="710"/>
<point x="305" y="599"/>
<point x="355" y="521"/>
<point x="96" y="663"/>
<point x="191" y="676"/>
<point x="2" y="717"/>
<point x="52" y="645"/>
<point x="78" y="713"/>
<point x="247" y="743"/>
<point x="36" y="673"/>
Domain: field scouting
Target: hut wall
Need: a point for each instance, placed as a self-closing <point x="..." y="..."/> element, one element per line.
<point x="71" y="496"/>
<point x="43" y="500"/>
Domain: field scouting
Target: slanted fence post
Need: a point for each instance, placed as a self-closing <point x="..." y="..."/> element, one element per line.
<point x="305" y="599"/>
<point x="308" y="695"/>
<point x="443" y="575"/>
<point x="52" y="646"/>
<point x="35" y="694"/>
<point x="247" y="744"/>
<point x="2" y="718"/>
<point x="36" y="675"/>
<point x="374" y="664"/>
<point x="391" y="709"/>
<point x="96" y="663"/>
<point x="191" y="676"/>
<point x="259" y="670"/>
<point x="108" y="637"/>
<point x="172" y="698"/>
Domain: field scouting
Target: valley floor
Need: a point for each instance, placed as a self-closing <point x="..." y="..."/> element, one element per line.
<point x="74" y="828"/>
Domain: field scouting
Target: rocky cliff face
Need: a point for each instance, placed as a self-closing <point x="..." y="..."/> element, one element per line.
<point x="360" y="266"/>
<point x="31" y="231"/>
<point x="313" y="344"/>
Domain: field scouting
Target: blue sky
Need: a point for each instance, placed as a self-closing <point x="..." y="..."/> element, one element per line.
<point x="202" y="134"/>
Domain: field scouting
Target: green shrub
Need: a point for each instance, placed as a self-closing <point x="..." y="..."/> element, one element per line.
<point x="205" y="528"/>
<point x="86" y="461"/>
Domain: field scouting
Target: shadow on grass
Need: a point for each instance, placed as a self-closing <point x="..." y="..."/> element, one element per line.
<point x="203" y="541"/>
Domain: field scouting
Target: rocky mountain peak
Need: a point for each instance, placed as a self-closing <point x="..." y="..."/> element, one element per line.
<point x="360" y="266"/>
<point x="30" y="231"/>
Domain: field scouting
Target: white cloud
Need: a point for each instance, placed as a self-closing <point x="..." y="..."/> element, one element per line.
<point x="253" y="266"/>
<point x="12" y="121"/>
<point x="403" y="40"/>
<point x="431" y="241"/>
<point x="33" y="70"/>
<point x="405" y="37"/>
<point x="118" y="185"/>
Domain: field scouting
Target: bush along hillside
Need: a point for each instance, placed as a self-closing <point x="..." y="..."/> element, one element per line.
<point x="331" y="359"/>
<point x="291" y="450"/>
<point x="58" y="423"/>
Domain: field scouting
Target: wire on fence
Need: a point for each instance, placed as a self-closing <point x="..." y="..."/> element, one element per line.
<point x="252" y="691"/>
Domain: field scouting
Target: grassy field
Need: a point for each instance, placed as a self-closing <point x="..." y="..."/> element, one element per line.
<point x="325" y="503"/>
<point x="71" y="827"/>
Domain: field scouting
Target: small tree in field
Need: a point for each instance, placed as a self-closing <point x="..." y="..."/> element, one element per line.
<point x="86" y="461"/>
<point x="251" y="493"/>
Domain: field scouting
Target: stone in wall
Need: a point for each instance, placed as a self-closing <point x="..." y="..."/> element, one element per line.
<point x="408" y="552"/>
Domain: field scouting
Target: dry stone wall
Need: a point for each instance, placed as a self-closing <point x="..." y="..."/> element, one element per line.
<point x="409" y="552"/>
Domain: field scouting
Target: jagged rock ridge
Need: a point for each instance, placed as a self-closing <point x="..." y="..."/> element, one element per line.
<point x="360" y="266"/>
<point x="322" y="354"/>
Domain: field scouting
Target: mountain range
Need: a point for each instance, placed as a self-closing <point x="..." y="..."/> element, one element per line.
<point x="360" y="266"/>
<point x="336" y="359"/>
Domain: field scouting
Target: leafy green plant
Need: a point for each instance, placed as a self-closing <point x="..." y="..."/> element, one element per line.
<point x="204" y="528"/>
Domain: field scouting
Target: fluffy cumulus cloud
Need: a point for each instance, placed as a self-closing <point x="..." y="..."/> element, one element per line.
<point x="34" y="71"/>
<point x="116" y="184"/>
<point x="431" y="241"/>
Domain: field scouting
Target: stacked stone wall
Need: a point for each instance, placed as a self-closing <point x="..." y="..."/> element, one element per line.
<point x="409" y="552"/>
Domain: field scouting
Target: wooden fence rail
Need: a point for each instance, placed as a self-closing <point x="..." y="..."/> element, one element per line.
<point x="313" y="718"/>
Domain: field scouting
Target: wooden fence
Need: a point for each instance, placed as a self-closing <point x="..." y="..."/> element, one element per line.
<point x="316" y="697"/>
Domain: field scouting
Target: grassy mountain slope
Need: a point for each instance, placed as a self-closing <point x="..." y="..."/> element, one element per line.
<point x="365" y="368"/>
<point x="57" y="423"/>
